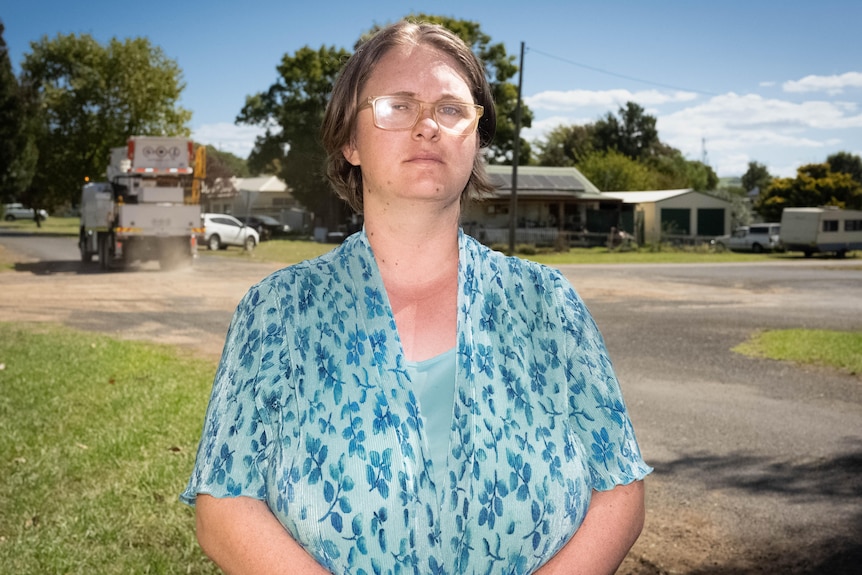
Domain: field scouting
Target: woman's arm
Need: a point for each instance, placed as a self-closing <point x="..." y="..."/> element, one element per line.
<point x="241" y="535"/>
<point x="613" y="523"/>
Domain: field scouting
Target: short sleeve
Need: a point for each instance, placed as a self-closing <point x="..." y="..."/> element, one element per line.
<point x="237" y="432"/>
<point x="597" y="411"/>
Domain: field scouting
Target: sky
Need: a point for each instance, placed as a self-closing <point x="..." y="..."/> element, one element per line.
<point x="730" y="82"/>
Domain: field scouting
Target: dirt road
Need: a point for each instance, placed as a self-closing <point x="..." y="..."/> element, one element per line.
<point x="738" y="488"/>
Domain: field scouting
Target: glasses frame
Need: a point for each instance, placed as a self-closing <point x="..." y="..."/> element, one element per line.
<point x="371" y="102"/>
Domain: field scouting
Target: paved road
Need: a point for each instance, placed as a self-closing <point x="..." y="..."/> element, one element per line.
<point x="758" y="463"/>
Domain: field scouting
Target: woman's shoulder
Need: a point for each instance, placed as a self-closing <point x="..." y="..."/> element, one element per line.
<point x="328" y="264"/>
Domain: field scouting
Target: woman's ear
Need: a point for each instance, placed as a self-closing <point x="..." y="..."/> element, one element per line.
<point x="351" y="154"/>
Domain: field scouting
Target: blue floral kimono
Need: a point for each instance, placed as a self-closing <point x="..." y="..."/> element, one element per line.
<point x="312" y="411"/>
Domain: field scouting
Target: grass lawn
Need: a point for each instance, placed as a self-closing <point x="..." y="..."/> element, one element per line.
<point x="53" y="225"/>
<point x="288" y="251"/>
<point x="840" y="350"/>
<point x="98" y="438"/>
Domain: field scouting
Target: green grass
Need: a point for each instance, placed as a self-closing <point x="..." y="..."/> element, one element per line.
<point x="288" y="251"/>
<point x="292" y="251"/>
<point x="97" y="438"/>
<point x="836" y="349"/>
<point x="53" y="225"/>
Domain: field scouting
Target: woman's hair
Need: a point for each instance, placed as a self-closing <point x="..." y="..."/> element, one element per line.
<point x="340" y="118"/>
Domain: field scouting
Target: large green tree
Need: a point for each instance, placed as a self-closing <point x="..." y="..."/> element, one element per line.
<point x="846" y="163"/>
<point x="92" y="98"/>
<point x="612" y="171"/>
<point x="566" y="145"/>
<point x="637" y="159"/>
<point x="292" y="111"/>
<point x="757" y="177"/>
<point x="814" y="185"/>
<point x="17" y="152"/>
<point x="632" y="133"/>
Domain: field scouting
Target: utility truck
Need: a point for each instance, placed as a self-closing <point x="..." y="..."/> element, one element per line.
<point x="148" y="209"/>
<point x="825" y="229"/>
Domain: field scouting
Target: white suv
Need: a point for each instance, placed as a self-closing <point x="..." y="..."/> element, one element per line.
<point x="755" y="238"/>
<point x="222" y="230"/>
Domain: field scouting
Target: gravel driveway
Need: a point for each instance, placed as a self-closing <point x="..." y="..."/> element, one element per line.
<point x="758" y="463"/>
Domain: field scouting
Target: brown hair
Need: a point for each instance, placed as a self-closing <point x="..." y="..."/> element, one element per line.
<point x="340" y="117"/>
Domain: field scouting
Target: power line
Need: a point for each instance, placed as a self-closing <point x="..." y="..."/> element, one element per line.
<point x="623" y="76"/>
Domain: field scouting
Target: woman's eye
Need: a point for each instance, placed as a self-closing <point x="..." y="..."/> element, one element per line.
<point x="450" y="110"/>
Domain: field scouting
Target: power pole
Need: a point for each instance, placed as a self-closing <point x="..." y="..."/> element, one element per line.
<point x="513" y="205"/>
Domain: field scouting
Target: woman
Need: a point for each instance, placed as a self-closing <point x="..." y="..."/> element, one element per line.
<point x="413" y="402"/>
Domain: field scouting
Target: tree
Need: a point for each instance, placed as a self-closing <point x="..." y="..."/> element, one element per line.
<point x="846" y="163"/>
<point x="92" y="98"/>
<point x="612" y="171"/>
<point x="675" y="172"/>
<point x="225" y="165"/>
<point x="633" y="134"/>
<point x="17" y="152"/>
<point x="814" y="185"/>
<point x="566" y="145"/>
<point x="756" y="177"/>
<point x="294" y="105"/>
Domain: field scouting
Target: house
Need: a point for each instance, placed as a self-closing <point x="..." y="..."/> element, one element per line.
<point x="684" y="215"/>
<point x="553" y="204"/>
<point x="261" y="195"/>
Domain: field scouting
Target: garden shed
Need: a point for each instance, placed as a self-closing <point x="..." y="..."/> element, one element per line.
<point x="685" y="216"/>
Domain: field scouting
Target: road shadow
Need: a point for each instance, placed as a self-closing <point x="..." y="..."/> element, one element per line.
<point x="836" y="481"/>
<point x="54" y="267"/>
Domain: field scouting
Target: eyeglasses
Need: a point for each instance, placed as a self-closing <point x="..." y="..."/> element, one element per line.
<point x="402" y="112"/>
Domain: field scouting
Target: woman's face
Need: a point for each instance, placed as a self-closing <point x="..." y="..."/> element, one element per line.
<point x="424" y="163"/>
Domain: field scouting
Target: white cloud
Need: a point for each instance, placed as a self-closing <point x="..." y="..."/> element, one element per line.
<point x="555" y="100"/>
<point x="735" y="126"/>
<point x="832" y="85"/>
<point x="227" y="137"/>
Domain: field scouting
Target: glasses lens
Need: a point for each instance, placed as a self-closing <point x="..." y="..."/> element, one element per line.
<point x="394" y="113"/>
<point x="456" y="116"/>
<point x="401" y="113"/>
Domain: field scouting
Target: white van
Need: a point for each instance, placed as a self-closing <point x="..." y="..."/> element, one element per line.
<point x="826" y="229"/>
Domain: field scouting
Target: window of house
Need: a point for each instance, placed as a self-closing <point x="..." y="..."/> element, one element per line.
<point x="830" y="225"/>
<point x="853" y="225"/>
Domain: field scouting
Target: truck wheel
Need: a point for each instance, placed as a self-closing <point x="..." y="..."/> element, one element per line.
<point x="86" y="255"/>
<point x="249" y="244"/>
<point x="757" y="248"/>
<point x="214" y="243"/>
<point x="104" y="256"/>
<point x="10" y="218"/>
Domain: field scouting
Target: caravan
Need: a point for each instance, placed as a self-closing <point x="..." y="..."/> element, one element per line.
<point x="825" y="229"/>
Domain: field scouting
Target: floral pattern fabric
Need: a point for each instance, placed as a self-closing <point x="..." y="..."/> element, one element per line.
<point x="312" y="411"/>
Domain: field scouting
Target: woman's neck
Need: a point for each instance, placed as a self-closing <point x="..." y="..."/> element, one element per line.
<point x="417" y="255"/>
<point x="415" y="241"/>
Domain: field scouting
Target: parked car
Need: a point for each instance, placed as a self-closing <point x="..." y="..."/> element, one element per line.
<point x="12" y="212"/>
<point x="223" y="230"/>
<point x="267" y="226"/>
<point x="755" y="238"/>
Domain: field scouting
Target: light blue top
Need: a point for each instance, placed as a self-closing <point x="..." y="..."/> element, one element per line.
<point x="313" y="411"/>
<point x="434" y="385"/>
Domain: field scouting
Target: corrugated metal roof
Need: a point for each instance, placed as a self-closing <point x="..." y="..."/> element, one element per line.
<point x="648" y="197"/>
<point x="544" y="181"/>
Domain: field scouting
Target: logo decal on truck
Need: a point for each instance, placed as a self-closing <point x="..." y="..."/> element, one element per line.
<point x="160" y="153"/>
